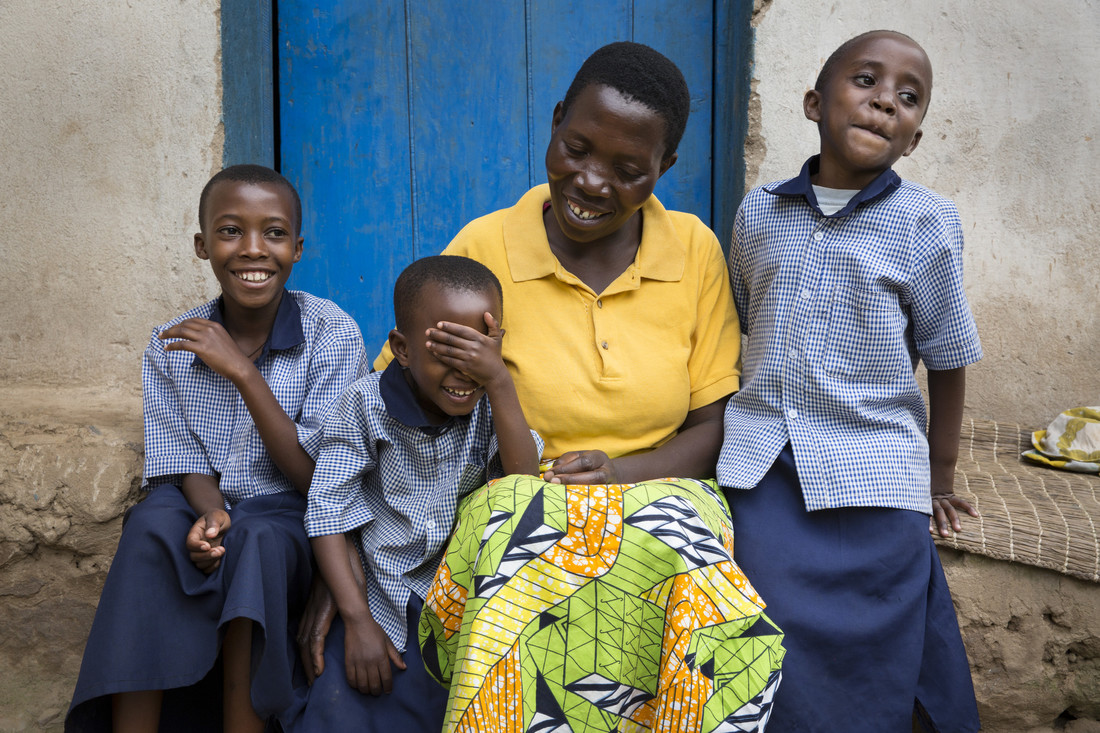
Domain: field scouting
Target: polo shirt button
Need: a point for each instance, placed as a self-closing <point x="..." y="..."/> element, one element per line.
<point x="793" y="353"/>
<point x="805" y="294"/>
<point x="604" y="344"/>
<point x="818" y="236"/>
<point x="792" y="414"/>
<point x="599" y="303"/>
<point x="430" y="524"/>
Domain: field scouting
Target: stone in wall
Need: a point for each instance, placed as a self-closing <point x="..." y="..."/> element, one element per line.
<point x="70" y="464"/>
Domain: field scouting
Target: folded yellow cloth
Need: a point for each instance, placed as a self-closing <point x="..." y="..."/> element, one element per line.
<point x="1071" y="442"/>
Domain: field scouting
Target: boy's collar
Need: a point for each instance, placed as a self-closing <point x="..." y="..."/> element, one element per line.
<point x="885" y="184"/>
<point x="401" y="404"/>
<point x="286" y="331"/>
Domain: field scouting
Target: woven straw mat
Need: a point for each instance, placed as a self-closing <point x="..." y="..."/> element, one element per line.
<point x="1029" y="514"/>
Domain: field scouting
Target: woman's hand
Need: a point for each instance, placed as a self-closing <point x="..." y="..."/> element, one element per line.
<point x="313" y="628"/>
<point x="582" y="467"/>
<point x="204" y="540"/>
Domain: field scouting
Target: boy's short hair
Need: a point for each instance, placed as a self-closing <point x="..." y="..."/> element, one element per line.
<point x="254" y="174"/>
<point x="451" y="272"/>
<point x="829" y="67"/>
<point x="643" y="74"/>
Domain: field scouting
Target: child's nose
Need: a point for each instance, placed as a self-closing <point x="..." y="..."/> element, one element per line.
<point x="884" y="101"/>
<point x="254" y="245"/>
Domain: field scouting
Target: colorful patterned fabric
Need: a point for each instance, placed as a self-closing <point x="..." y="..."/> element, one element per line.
<point x="598" y="608"/>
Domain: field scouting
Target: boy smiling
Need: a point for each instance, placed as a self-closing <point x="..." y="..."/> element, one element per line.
<point x="215" y="560"/>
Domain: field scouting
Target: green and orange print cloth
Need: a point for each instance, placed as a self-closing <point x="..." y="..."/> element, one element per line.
<point x="598" y="608"/>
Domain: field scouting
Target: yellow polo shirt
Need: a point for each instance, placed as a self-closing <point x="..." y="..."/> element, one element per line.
<point x="615" y="371"/>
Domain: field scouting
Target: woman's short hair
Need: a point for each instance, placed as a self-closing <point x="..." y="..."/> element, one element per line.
<point x="643" y="74"/>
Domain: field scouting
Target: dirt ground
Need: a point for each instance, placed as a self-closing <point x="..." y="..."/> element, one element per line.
<point x="70" y="463"/>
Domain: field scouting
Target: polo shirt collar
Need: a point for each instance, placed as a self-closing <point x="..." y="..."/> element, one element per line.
<point x="401" y="404"/>
<point x="661" y="256"/>
<point x="286" y="331"/>
<point x="885" y="184"/>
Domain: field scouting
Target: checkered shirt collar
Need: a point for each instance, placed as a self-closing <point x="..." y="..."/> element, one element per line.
<point x="401" y="404"/>
<point x="885" y="184"/>
<point x="286" y="332"/>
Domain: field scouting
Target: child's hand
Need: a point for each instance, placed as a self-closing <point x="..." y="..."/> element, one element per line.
<point x="945" y="516"/>
<point x="475" y="354"/>
<point x="367" y="656"/>
<point x="211" y="343"/>
<point x="582" y="467"/>
<point x="313" y="628"/>
<point x="204" y="541"/>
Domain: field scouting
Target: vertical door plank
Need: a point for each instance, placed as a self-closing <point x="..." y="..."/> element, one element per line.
<point x="468" y="83"/>
<point x="683" y="32"/>
<point x="344" y="128"/>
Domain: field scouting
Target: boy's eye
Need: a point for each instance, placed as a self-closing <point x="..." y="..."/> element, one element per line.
<point x="630" y="174"/>
<point x="574" y="150"/>
<point x="910" y="98"/>
<point x="276" y="232"/>
<point x="229" y="231"/>
<point x="864" y="80"/>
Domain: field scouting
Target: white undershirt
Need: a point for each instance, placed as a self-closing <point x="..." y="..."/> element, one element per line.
<point x="832" y="200"/>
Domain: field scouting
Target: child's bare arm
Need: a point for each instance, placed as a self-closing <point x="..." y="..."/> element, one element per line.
<point x="478" y="356"/>
<point x="213" y="344"/>
<point x="946" y="393"/>
<point x="367" y="650"/>
<point x="204" y="540"/>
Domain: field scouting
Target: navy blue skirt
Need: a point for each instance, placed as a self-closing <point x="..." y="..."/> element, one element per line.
<point x="417" y="704"/>
<point x="870" y="630"/>
<point x="161" y="620"/>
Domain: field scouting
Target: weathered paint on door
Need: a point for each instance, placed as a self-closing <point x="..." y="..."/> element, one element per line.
<point x="401" y="120"/>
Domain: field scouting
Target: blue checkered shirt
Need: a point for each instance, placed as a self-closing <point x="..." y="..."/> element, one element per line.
<point x="197" y="422"/>
<point x="387" y="473"/>
<point x="838" y="310"/>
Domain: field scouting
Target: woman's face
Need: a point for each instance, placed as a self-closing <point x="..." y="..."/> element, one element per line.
<point x="604" y="158"/>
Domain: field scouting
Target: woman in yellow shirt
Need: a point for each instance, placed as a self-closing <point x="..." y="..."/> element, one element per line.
<point x="604" y="597"/>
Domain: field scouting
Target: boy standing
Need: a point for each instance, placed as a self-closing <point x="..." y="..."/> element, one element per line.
<point x="403" y="447"/>
<point x="234" y="394"/>
<point x="844" y="278"/>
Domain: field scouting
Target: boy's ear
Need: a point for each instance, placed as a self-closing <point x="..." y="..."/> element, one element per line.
<point x="811" y="106"/>
<point x="298" y="249"/>
<point x="399" y="345"/>
<point x="913" y="144"/>
<point x="200" y="247"/>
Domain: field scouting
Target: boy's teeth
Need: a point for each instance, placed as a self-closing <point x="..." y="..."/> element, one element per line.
<point x="254" y="277"/>
<point x="460" y="392"/>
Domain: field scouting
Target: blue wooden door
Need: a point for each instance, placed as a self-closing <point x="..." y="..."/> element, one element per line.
<point x="401" y="120"/>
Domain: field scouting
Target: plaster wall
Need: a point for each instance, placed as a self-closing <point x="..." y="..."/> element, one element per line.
<point x="1012" y="136"/>
<point x="110" y="125"/>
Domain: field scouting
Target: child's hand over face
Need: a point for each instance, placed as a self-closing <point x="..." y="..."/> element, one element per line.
<point x="367" y="656"/>
<point x="475" y="354"/>
<point x="211" y="343"/>
<point x="204" y="541"/>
